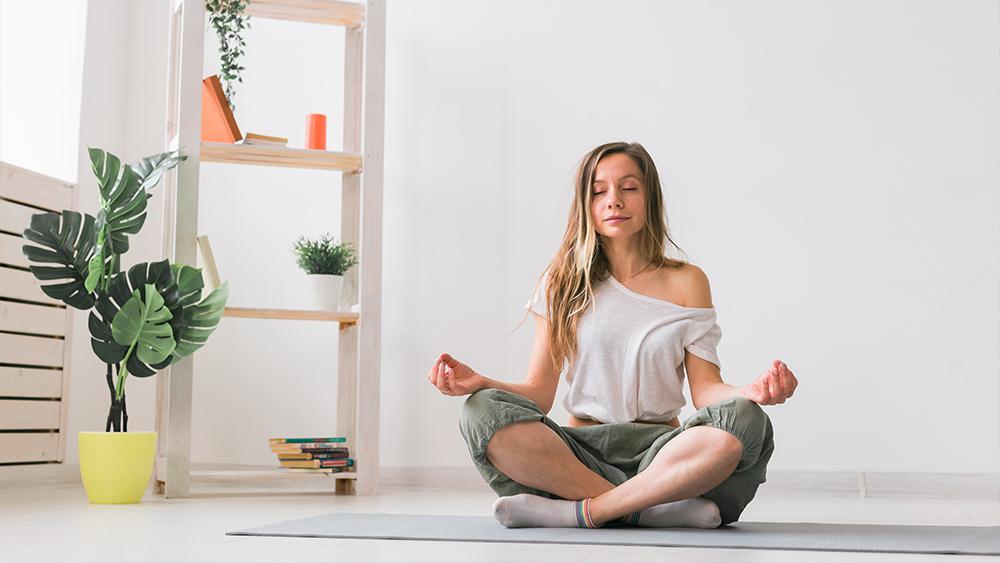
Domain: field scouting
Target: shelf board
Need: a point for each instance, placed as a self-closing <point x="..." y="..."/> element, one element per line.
<point x="343" y="317"/>
<point x="276" y="472"/>
<point x="264" y="155"/>
<point x="330" y="12"/>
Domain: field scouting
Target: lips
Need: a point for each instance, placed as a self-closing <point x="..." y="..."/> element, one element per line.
<point x="617" y="218"/>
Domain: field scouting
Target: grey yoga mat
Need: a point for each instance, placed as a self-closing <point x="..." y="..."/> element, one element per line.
<point x="984" y="540"/>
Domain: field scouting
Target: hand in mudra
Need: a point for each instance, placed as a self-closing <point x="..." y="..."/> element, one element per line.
<point x="772" y="388"/>
<point x="452" y="377"/>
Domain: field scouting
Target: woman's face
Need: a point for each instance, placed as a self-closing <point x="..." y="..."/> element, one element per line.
<point x="618" y="190"/>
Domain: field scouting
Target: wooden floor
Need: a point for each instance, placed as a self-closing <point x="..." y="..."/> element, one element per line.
<point x="44" y="516"/>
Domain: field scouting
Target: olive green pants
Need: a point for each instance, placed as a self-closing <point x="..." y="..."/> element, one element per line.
<point x="619" y="451"/>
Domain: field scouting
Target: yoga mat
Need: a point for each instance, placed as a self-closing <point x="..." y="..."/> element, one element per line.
<point x="977" y="540"/>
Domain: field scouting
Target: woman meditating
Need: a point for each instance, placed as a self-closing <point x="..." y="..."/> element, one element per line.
<point x="629" y="323"/>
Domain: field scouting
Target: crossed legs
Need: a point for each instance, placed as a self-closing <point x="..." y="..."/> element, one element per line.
<point x="693" y="463"/>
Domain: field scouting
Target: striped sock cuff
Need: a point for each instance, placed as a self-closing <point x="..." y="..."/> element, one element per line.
<point x="582" y="509"/>
<point x="631" y="519"/>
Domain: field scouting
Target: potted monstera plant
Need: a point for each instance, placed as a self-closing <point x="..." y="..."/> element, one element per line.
<point x="141" y="320"/>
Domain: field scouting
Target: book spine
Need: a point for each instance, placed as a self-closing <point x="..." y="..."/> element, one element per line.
<point x="335" y="462"/>
<point x="306" y="440"/>
<point x="299" y="450"/>
<point x="337" y="455"/>
<point x="317" y="463"/>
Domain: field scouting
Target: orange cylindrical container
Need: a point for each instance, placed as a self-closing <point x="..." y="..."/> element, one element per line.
<point x="316" y="131"/>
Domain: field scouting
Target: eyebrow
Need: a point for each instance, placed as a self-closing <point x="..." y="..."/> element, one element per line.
<point x="622" y="178"/>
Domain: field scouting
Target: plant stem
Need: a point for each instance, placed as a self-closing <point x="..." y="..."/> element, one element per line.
<point x="124" y="414"/>
<point x="123" y="373"/>
<point x="111" y="389"/>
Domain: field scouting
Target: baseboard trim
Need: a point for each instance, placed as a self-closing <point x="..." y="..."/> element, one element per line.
<point x="829" y="484"/>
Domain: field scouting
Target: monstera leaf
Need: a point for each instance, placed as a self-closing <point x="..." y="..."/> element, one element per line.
<point x="189" y="283"/>
<point x="200" y="321"/>
<point x="123" y="212"/>
<point x="191" y="322"/>
<point x="121" y="289"/>
<point x="123" y="200"/>
<point x="124" y="193"/>
<point x="142" y="326"/>
<point x="150" y="169"/>
<point x="67" y="240"/>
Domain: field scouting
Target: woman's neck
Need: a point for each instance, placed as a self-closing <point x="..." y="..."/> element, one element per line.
<point x="624" y="261"/>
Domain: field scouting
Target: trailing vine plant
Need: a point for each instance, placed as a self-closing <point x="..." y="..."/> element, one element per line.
<point x="229" y="19"/>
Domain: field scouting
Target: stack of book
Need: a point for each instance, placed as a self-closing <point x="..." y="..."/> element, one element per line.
<point x="313" y="455"/>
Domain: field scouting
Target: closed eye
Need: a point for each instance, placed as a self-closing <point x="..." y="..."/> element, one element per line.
<point x="624" y="189"/>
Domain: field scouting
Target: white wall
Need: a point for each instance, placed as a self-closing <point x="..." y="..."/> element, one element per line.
<point x="116" y="108"/>
<point x="40" y="93"/>
<point x="833" y="166"/>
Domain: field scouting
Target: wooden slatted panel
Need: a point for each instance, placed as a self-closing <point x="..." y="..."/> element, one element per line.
<point x="14" y="217"/>
<point x="10" y="251"/>
<point x="20" y="284"/>
<point x="33" y="319"/>
<point x="17" y="414"/>
<point x="22" y="194"/>
<point x="24" y="447"/>
<point x="30" y="382"/>
<point x="35" y="189"/>
<point x="31" y="350"/>
<point x="350" y="14"/>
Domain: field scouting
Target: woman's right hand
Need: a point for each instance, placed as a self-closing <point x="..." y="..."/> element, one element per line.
<point x="452" y="377"/>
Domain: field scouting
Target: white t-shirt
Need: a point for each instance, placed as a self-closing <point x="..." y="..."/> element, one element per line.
<point x="630" y="353"/>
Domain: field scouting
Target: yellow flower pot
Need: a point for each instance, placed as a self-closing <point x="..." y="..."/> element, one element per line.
<point x="115" y="466"/>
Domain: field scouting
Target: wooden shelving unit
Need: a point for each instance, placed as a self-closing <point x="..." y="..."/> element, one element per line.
<point x="347" y="14"/>
<point x="360" y="163"/>
<point x="291" y="314"/>
<point x="281" y="156"/>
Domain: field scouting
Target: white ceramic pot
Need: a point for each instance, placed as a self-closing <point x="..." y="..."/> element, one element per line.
<point x="325" y="291"/>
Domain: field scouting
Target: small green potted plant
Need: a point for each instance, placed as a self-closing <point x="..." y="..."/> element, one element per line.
<point x="140" y="321"/>
<point x="325" y="262"/>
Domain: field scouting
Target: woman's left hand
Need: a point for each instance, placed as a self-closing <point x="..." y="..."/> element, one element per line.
<point x="772" y="388"/>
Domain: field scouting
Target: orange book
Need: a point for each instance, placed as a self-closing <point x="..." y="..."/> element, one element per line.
<point x="217" y="121"/>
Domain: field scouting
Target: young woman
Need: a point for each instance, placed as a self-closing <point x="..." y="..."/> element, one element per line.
<point x="630" y="323"/>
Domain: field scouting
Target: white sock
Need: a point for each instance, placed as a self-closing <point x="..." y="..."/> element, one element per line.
<point x="696" y="512"/>
<point x="532" y="511"/>
<point x="526" y="511"/>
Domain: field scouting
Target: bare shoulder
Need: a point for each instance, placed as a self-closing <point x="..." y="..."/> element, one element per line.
<point x="697" y="291"/>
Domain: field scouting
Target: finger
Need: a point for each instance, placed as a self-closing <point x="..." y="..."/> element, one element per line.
<point x="450" y="382"/>
<point x="790" y="381"/>
<point x="784" y="380"/>
<point x="440" y="378"/>
<point x="448" y="360"/>
<point x="432" y="374"/>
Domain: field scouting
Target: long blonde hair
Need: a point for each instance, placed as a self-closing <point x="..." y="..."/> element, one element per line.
<point x="581" y="261"/>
